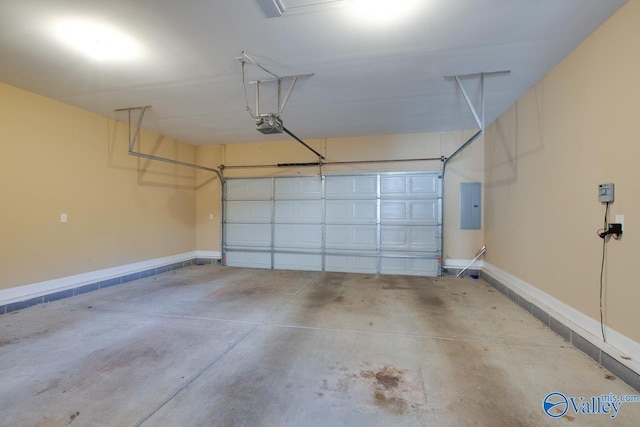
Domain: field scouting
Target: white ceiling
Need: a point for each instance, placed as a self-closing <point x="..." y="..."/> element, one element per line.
<point x="369" y="80"/>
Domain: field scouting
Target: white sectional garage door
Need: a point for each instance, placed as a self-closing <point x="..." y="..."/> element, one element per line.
<point x="374" y="223"/>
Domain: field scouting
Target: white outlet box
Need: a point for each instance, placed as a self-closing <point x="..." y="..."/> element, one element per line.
<point x="210" y="216"/>
<point x="63" y="217"/>
<point x="620" y="220"/>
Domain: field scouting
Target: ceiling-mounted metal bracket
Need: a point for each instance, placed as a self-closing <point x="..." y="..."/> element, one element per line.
<point x="132" y="139"/>
<point x="282" y="98"/>
<point x="287" y="82"/>
<point x="479" y="117"/>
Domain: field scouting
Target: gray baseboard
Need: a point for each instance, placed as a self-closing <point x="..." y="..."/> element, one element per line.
<point x="453" y="271"/>
<point x="207" y="261"/>
<point x="620" y="370"/>
<point x="67" y="293"/>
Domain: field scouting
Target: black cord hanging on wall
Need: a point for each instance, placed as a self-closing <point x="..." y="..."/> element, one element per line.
<point x="603" y="233"/>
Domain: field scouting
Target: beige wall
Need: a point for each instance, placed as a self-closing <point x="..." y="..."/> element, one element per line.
<point x="122" y="209"/>
<point x="545" y="157"/>
<point x="56" y="158"/>
<point x="208" y="199"/>
<point x="468" y="167"/>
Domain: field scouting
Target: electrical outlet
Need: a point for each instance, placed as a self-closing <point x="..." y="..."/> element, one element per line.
<point x="620" y="220"/>
<point x="63" y="217"/>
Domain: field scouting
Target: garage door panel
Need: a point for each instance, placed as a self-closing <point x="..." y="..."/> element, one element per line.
<point x="298" y="188"/>
<point x="352" y="187"/>
<point x="351" y="211"/>
<point x="408" y="266"/>
<point x="393" y="185"/>
<point x="410" y="186"/>
<point x="417" y="238"/>
<point x="363" y="237"/>
<point x="351" y="264"/>
<point x="298" y="211"/>
<point x="297" y="236"/>
<point x="249" y="189"/>
<point x="249" y="259"/>
<point x="393" y="211"/>
<point x="423" y="211"/>
<point x="292" y="261"/>
<point x="248" y="212"/>
<point x="424" y="185"/>
<point x="409" y="212"/>
<point x="249" y="235"/>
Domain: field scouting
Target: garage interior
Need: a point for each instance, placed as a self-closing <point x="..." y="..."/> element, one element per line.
<point x="255" y="213"/>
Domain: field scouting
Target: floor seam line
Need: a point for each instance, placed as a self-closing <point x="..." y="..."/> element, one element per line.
<point x="177" y="316"/>
<point x="194" y="378"/>
<point x="277" y="309"/>
<point x="408" y="335"/>
<point x="206" y="368"/>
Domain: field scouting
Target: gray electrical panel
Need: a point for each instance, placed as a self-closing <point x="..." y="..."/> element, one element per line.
<point x="470" y="208"/>
<point x="606" y="193"/>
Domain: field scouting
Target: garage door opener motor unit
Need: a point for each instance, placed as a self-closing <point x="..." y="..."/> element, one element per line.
<point x="269" y="123"/>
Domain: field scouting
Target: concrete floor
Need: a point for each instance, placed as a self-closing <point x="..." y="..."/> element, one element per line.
<point x="213" y="346"/>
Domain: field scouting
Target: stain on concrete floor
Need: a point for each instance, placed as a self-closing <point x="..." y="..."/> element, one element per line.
<point x="386" y="394"/>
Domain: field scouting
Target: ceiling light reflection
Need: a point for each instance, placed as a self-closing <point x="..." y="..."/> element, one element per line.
<point x="97" y="41"/>
<point x="383" y="12"/>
